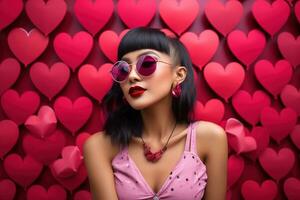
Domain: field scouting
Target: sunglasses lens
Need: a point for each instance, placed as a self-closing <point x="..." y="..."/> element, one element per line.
<point x="146" y="65"/>
<point x="120" y="71"/>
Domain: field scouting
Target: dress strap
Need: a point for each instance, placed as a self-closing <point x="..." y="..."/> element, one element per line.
<point x="191" y="138"/>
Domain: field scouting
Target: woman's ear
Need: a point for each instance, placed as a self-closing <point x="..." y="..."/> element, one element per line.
<point x="180" y="74"/>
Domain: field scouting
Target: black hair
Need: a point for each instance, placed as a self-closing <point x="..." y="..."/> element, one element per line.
<point x="122" y="121"/>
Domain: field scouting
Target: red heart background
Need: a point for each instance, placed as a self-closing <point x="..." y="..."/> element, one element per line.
<point x="57" y="53"/>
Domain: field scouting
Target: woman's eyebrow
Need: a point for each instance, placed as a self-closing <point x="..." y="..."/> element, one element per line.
<point x="141" y="54"/>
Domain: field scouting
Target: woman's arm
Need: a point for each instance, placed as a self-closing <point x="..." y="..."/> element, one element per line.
<point x="97" y="150"/>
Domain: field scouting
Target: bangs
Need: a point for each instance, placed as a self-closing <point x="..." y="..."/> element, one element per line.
<point x="143" y="38"/>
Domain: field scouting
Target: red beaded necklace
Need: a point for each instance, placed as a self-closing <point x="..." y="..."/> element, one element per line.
<point x="153" y="157"/>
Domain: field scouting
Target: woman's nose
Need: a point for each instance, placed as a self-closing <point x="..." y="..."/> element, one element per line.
<point x="133" y="75"/>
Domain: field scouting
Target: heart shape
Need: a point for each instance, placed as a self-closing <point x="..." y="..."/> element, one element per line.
<point x="246" y="48"/>
<point x="22" y="171"/>
<point x="7" y="189"/>
<point x="212" y="111"/>
<point x="171" y="12"/>
<point x="96" y="82"/>
<point x="217" y="13"/>
<point x="249" y="106"/>
<point x="224" y="81"/>
<point x="235" y="168"/>
<point x="206" y="42"/>
<point x="46" y="15"/>
<point x="27" y="46"/>
<point x="136" y="13"/>
<point x="251" y="190"/>
<point x="9" y="73"/>
<point x="289" y="47"/>
<point x="9" y="11"/>
<point x="83" y="195"/>
<point x="9" y="134"/>
<point x="295" y="136"/>
<point x="290" y="97"/>
<point x="19" y="108"/>
<point x="80" y="139"/>
<point x="49" y="81"/>
<point x="54" y="192"/>
<point x="271" y="17"/>
<point x="291" y="188"/>
<point x="44" y="150"/>
<point x="93" y="14"/>
<point x="273" y="78"/>
<point x="73" y="51"/>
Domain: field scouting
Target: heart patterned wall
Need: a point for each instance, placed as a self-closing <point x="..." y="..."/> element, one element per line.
<point x="55" y="58"/>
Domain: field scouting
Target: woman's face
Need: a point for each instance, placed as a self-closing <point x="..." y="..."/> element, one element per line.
<point x="155" y="87"/>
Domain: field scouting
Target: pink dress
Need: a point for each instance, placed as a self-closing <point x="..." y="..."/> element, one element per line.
<point x="186" y="181"/>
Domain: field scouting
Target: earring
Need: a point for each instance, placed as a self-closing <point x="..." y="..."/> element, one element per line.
<point x="176" y="92"/>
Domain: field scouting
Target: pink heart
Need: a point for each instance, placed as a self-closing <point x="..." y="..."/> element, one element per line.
<point x="279" y="125"/>
<point x="49" y="81"/>
<point x="277" y="165"/>
<point x="44" y="150"/>
<point x="9" y="11"/>
<point x="80" y="139"/>
<point x="83" y="195"/>
<point x="224" y="81"/>
<point x="290" y="97"/>
<point x="172" y="12"/>
<point x="73" y="115"/>
<point x="9" y="134"/>
<point x="271" y="17"/>
<point x="249" y="106"/>
<point x="136" y="13"/>
<point x="297" y="11"/>
<point x="109" y="43"/>
<point x="7" y="189"/>
<point x="46" y="15"/>
<point x="273" y="78"/>
<point x="217" y="13"/>
<point x="73" y="51"/>
<point x="27" y="46"/>
<point x="9" y="73"/>
<point x="91" y="79"/>
<point x="19" y="108"/>
<point x="206" y="42"/>
<point x="43" y="124"/>
<point x="93" y="14"/>
<point x="235" y="169"/>
<point x="251" y="190"/>
<point x="54" y="192"/>
<point x="246" y="48"/>
<point x="22" y="171"/>
<point x="289" y="47"/>
<point x="295" y="136"/>
<point x="291" y="188"/>
<point x="212" y="111"/>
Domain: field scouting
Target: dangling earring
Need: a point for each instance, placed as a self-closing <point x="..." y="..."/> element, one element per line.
<point x="176" y="92"/>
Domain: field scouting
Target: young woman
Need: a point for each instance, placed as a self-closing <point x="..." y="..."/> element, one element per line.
<point x="150" y="147"/>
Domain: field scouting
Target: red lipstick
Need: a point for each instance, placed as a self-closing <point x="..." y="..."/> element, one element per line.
<point x="136" y="91"/>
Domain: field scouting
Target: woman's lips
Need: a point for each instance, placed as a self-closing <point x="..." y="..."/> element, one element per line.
<point x="136" y="91"/>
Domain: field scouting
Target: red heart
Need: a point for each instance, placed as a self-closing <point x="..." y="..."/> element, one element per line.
<point x="44" y="150"/>
<point x="9" y="134"/>
<point x="80" y="139"/>
<point x="297" y="10"/>
<point x="207" y="43"/>
<point x="277" y="165"/>
<point x="83" y="195"/>
<point x="96" y="82"/>
<point x="271" y="17"/>
<point x="251" y="190"/>
<point x="23" y="172"/>
<point x="46" y="16"/>
<point x="27" y="46"/>
<point x="235" y="169"/>
<point x="212" y="111"/>
<point x="279" y="125"/>
<point x="291" y="188"/>
<point x="93" y="14"/>
<point x="217" y="14"/>
<point x="290" y="97"/>
<point x="73" y="115"/>
<point x="168" y="32"/>
<point x="73" y="51"/>
<point x="9" y="11"/>
<point x="49" y="81"/>
<point x="295" y="135"/>
<point x="289" y="47"/>
<point x="172" y="12"/>
<point x="273" y="78"/>
<point x="55" y="192"/>
<point x="246" y="48"/>
<point x="224" y="81"/>
<point x="109" y="43"/>
<point x="136" y="13"/>
<point x="7" y="189"/>
<point x="19" y="108"/>
<point x="9" y="73"/>
<point x="249" y="107"/>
